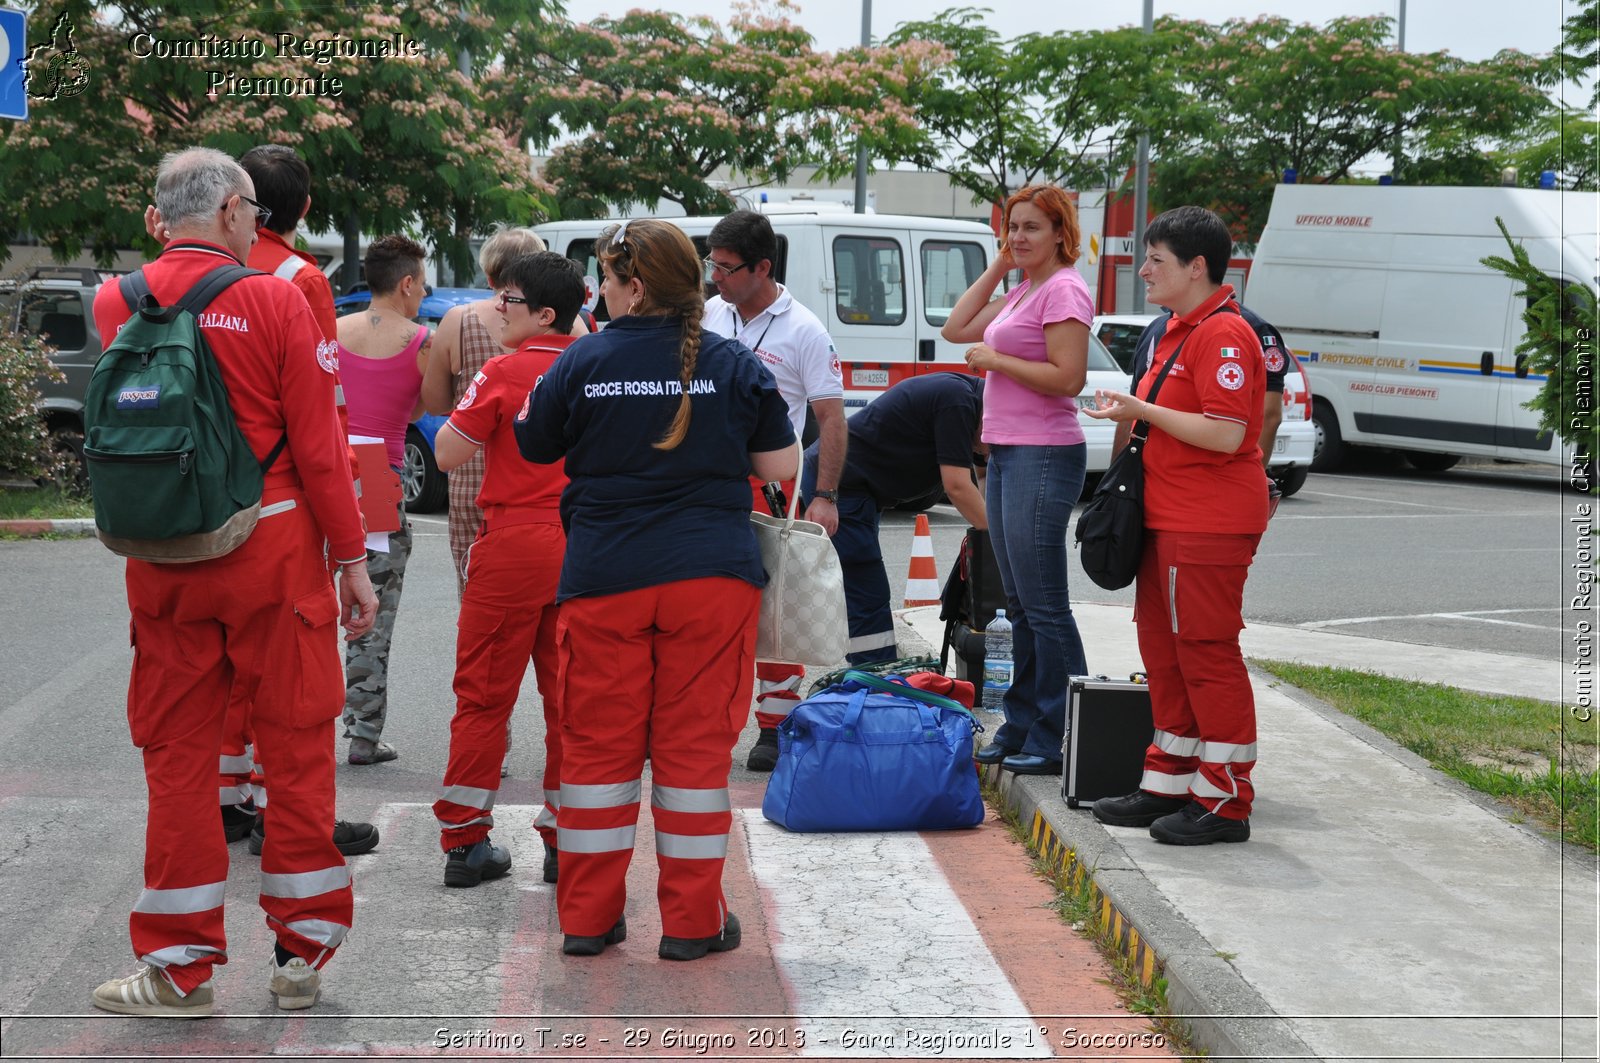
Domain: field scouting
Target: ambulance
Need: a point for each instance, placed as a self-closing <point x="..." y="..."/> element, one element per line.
<point x="1407" y="340"/>
<point x="882" y="284"/>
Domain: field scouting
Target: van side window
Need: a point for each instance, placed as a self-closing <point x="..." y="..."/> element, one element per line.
<point x="948" y="270"/>
<point x="57" y="317"/>
<point x="870" y="275"/>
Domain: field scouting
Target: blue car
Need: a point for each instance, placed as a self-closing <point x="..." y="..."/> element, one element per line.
<point x="426" y="489"/>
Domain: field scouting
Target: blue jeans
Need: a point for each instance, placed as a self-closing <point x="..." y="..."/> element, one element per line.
<point x="866" y="581"/>
<point x="1031" y="491"/>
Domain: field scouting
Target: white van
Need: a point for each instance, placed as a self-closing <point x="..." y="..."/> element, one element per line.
<point x="882" y="284"/>
<point x="1407" y="339"/>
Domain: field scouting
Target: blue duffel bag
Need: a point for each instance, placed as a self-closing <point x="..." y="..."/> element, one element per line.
<point x="875" y="754"/>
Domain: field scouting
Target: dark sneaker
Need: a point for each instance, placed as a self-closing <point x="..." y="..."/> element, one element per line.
<point x="994" y="753"/>
<point x="237" y="822"/>
<point x="693" y="948"/>
<point x="366" y="751"/>
<point x="764" y="754"/>
<point x="147" y="993"/>
<point x="578" y="945"/>
<point x="468" y="865"/>
<point x="552" y="862"/>
<point x="1138" y="809"/>
<point x="1195" y="826"/>
<point x="352" y="839"/>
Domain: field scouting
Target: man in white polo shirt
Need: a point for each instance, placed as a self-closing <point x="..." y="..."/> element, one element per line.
<point x="756" y="310"/>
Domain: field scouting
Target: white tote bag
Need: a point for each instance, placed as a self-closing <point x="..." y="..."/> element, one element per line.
<point x="803" y="618"/>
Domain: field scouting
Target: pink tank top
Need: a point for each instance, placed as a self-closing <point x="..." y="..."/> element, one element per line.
<point x="381" y="393"/>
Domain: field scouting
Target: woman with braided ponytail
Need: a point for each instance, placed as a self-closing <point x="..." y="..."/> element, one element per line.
<point x="661" y="426"/>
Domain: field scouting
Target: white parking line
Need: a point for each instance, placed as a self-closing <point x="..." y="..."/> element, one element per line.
<point x="1482" y="616"/>
<point x="1383" y="501"/>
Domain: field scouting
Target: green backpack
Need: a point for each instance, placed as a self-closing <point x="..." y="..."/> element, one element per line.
<point x="173" y="478"/>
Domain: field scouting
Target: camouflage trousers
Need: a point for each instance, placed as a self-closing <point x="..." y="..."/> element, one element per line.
<point x="366" y="666"/>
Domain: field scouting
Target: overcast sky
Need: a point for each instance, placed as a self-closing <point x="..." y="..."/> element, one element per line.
<point x="1472" y="29"/>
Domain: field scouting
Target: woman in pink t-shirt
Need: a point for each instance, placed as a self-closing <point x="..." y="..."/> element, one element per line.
<point x="382" y="354"/>
<point x="1034" y="350"/>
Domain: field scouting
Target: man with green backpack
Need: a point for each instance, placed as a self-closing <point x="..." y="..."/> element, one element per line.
<point x="219" y="469"/>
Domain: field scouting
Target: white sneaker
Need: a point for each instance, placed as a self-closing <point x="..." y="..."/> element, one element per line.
<point x="148" y="992"/>
<point x="295" y="984"/>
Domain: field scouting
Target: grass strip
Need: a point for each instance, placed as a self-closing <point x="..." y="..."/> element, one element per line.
<point x="1533" y="755"/>
<point x="42" y="503"/>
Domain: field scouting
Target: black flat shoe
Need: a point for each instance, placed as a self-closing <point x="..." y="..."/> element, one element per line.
<point x="994" y="753"/>
<point x="1028" y="764"/>
<point x="577" y="945"/>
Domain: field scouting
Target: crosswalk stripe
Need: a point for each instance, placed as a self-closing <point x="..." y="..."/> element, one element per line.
<point x="856" y="943"/>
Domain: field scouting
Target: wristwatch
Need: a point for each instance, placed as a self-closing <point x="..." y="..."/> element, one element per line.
<point x="831" y="496"/>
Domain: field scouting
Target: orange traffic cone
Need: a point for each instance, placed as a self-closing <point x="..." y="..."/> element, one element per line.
<point x="922" y="580"/>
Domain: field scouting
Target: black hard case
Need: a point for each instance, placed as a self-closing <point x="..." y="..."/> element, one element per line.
<point x="1108" y="730"/>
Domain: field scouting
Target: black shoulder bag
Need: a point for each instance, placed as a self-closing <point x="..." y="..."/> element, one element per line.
<point x="1111" y="527"/>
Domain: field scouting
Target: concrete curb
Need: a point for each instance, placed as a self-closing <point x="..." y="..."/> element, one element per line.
<point x="32" y="529"/>
<point x="1205" y="993"/>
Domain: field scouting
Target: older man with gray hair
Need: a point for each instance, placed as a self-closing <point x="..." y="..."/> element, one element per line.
<point x="260" y="620"/>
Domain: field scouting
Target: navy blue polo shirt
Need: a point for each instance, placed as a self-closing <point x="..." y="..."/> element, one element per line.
<point x="1273" y="351"/>
<point x="900" y="440"/>
<point x="637" y="516"/>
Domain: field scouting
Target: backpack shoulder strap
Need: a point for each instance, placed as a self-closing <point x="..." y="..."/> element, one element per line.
<point x="212" y="285"/>
<point x="135" y="290"/>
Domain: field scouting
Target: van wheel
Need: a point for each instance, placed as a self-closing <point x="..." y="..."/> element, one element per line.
<point x="1291" y="480"/>
<point x="1427" y="461"/>
<point x="425" y="488"/>
<point x="1329" y="448"/>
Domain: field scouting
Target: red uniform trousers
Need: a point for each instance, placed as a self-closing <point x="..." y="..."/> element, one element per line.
<point x="662" y="672"/>
<point x="508" y="616"/>
<point x="237" y="778"/>
<point x="259" y="625"/>
<point x="239" y="775"/>
<point x="777" y="685"/>
<point x="1188" y="606"/>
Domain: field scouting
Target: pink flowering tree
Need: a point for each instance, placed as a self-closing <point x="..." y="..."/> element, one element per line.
<point x="397" y="139"/>
<point x="649" y="106"/>
<point x="1062" y="107"/>
<point x="1264" y="95"/>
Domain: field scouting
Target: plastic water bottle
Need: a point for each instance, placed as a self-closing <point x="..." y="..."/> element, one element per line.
<point x="997" y="661"/>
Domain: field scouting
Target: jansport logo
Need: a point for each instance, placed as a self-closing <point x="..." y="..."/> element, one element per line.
<point x="139" y="398"/>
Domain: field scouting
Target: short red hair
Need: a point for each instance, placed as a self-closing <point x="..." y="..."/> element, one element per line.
<point x="1057" y="206"/>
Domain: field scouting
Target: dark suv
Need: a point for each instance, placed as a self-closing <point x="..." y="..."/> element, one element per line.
<point x="55" y="303"/>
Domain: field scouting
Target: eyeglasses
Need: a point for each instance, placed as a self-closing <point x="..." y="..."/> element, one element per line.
<point x="262" y="213"/>
<point x="512" y="300"/>
<point x="717" y="269"/>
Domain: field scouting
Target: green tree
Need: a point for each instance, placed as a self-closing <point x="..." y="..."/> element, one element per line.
<point x="396" y="138"/>
<point x="1580" y="47"/>
<point x="1266" y="95"/>
<point x="1561" y="324"/>
<point x="1062" y="107"/>
<point x="655" y="103"/>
